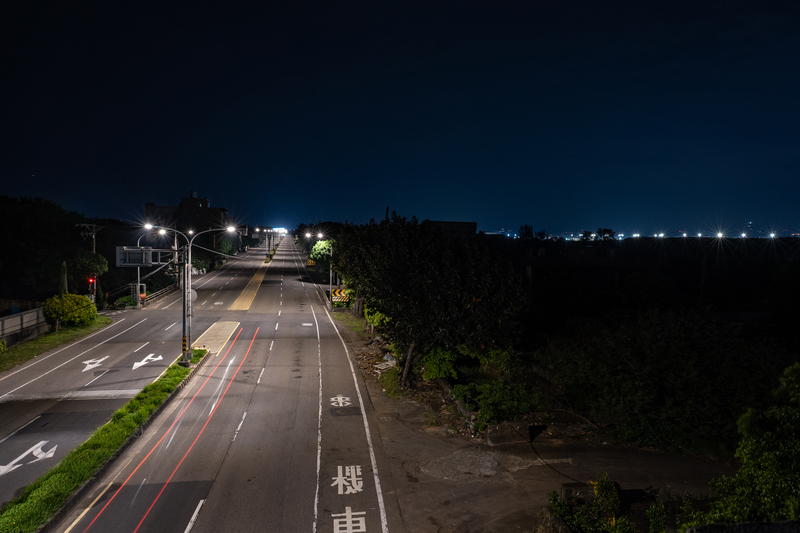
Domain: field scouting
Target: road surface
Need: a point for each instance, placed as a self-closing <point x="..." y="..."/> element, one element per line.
<point x="272" y="434"/>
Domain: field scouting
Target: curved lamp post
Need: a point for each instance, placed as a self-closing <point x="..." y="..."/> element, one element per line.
<point x="187" y="284"/>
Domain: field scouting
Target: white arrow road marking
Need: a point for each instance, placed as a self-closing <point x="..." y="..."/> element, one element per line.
<point x="36" y="450"/>
<point x="147" y="360"/>
<point x="93" y="363"/>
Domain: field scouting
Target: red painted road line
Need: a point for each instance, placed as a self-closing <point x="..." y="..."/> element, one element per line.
<point x="165" y="434"/>
<point x="198" y="435"/>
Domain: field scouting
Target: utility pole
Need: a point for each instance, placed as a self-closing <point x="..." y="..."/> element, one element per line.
<point x="91" y="229"/>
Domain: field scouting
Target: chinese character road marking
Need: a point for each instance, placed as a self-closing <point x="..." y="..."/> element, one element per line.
<point x="36" y="450"/>
<point x="93" y="363"/>
<point x="349" y="524"/>
<point x="351" y="478"/>
<point x="340" y="401"/>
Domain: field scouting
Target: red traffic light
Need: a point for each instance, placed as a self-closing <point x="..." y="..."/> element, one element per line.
<point x="91" y="280"/>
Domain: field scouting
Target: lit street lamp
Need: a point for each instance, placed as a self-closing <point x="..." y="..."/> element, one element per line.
<point x="187" y="283"/>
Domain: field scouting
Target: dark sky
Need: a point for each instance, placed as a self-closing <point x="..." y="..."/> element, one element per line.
<point x="641" y="116"/>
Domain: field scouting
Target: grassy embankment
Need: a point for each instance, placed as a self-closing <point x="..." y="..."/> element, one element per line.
<point x="42" y="498"/>
<point x="16" y="355"/>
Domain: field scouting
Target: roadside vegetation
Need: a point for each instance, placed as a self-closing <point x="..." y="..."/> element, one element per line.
<point x="42" y="498"/>
<point x="16" y="355"/>
<point x="764" y="489"/>
<point x="677" y="346"/>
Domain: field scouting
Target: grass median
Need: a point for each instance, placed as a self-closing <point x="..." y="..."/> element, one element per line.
<point x="16" y="355"/>
<point x="42" y="498"/>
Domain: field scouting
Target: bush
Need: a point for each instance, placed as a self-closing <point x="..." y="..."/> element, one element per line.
<point x="765" y="487"/>
<point x="376" y="318"/>
<point x="70" y="309"/>
<point x="497" y="401"/>
<point x="601" y="515"/>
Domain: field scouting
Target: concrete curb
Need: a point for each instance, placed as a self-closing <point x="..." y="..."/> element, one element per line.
<point x="72" y="501"/>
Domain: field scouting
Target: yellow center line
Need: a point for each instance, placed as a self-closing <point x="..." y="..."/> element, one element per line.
<point x="245" y="300"/>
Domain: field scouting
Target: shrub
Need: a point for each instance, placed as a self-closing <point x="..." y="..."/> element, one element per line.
<point x="70" y="309"/>
<point x="376" y="318"/>
<point x="439" y="363"/>
<point x="602" y="515"/>
<point x="497" y="401"/>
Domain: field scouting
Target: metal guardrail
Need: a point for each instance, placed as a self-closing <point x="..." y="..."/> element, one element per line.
<point x="160" y="293"/>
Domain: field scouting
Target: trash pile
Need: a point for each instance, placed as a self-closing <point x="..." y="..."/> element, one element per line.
<point x="376" y="358"/>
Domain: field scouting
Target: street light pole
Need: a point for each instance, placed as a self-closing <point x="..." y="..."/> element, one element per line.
<point x="187" y="284"/>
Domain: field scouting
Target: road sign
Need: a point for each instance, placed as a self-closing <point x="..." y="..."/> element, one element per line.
<point x="339" y="295"/>
<point x="142" y="256"/>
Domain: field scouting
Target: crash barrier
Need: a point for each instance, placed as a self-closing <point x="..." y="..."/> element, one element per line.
<point x="158" y="294"/>
<point x="23" y="326"/>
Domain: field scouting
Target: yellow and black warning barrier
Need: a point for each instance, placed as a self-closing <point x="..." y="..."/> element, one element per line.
<point x="339" y="295"/>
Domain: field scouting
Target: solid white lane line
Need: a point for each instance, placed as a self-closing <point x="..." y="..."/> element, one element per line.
<point x="319" y="422"/>
<point x="166" y="328"/>
<point x="98" y="377"/>
<point x="37" y="360"/>
<point x="19" y="429"/>
<point x="382" y="507"/>
<point x="142" y="346"/>
<point x="70" y="360"/>
<point x="194" y="517"/>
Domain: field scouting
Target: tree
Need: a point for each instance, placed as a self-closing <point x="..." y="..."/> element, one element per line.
<point x="587" y="236"/>
<point x="438" y="292"/>
<point x="85" y="264"/>
<point x="605" y="234"/>
<point x="542" y="235"/>
<point x="321" y="254"/>
<point x="526" y="232"/>
<point x="62" y="279"/>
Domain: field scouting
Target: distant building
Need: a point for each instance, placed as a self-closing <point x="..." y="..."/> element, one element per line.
<point x="192" y="213"/>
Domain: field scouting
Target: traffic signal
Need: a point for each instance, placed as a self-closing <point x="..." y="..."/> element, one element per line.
<point x="91" y="280"/>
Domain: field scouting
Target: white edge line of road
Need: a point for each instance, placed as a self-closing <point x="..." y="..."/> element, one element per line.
<point x="374" y="462"/>
<point x="384" y="525"/>
<point x="319" y="424"/>
<point x="37" y="360"/>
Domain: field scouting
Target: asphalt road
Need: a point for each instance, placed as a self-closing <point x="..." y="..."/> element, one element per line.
<point x="272" y="433"/>
<point x="51" y="404"/>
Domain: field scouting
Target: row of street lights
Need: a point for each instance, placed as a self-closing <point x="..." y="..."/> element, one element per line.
<point x="187" y="281"/>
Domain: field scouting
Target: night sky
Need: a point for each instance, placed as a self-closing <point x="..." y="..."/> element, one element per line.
<point x="640" y="116"/>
